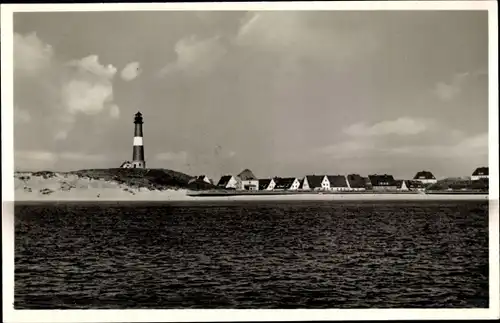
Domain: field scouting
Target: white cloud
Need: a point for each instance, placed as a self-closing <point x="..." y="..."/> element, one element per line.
<point x="196" y="56"/>
<point x="131" y="71"/>
<point x="31" y="55"/>
<point x="90" y="64"/>
<point x="36" y="155"/>
<point x="447" y="91"/>
<point x="290" y="34"/>
<point x="40" y="160"/>
<point x="400" y="126"/>
<point x="65" y="89"/>
<point x="21" y="116"/>
<point x="472" y="146"/>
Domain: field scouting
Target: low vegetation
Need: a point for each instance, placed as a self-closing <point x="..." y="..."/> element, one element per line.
<point x="458" y="184"/>
<point x="152" y="179"/>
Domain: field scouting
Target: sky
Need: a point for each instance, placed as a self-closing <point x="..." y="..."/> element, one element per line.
<point x="283" y="93"/>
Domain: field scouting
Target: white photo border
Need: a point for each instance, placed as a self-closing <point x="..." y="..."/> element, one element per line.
<point x="187" y="315"/>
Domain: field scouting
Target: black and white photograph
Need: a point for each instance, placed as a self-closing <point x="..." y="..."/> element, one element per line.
<point x="250" y="156"/>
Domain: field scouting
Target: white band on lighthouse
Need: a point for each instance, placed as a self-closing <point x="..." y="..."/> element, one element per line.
<point x="137" y="141"/>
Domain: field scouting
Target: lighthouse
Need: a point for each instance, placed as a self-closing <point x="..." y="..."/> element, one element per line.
<point x="138" y="155"/>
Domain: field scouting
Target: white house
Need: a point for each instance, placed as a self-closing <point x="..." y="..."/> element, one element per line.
<point x="127" y="164"/>
<point x="316" y="183"/>
<point x="401" y="185"/>
<point x="481" y="172"/>
<point x="425" y="177"/>
<point x="337" y="183"/>
<point x="229" y="181"/>
<point x="356" y="182"/>
<point x="248" y="181"/>
<point x="267" y="184"/>
<point x="204" y="178"/>
<point x="288" y="183"/>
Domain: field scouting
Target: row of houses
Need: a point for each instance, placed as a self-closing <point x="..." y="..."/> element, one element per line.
<point x="246" y="180"/>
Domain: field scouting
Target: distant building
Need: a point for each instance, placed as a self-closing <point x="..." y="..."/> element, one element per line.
<point x="401" y="185"/>
<point x="248" y="180"/>
<point x="288" y="183"/>
<point x="382" y="182"/>
<point x="356" y="182"/>
<point x="425" y="177"/>
<point x="127" y="164"/>
<point x="337" y="183"/>
<point x="266" y="184"/>
<point x="229" y="182"/>
<point x="415" y="185"/>
<point x="481" y="172"/>
<point x="316" y="183"/>
<point x="204" y="178"/>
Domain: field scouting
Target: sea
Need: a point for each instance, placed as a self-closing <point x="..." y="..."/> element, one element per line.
<point x="251" y="255"/>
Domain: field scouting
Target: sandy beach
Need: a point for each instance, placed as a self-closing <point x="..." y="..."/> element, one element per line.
<point x="63" y="187"/>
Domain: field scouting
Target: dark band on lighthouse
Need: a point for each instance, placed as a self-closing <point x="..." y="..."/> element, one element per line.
<point x="138" y="154"/>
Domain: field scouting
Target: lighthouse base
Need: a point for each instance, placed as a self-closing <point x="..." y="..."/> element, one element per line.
<point x="138" y="164"/>
<point x="134" y="164"/>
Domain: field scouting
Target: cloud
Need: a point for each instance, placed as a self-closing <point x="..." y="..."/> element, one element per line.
<point x="291" y="33"/>
<point x="63" y="90"/>
<point x="31" y="55"/>
<point x="21" y="116"/>
<point x="172" y="156"/>
<point x="473" y="145"/>
<point x="39" y="159"/>
<point x="401" y="126"/>
<point x="131" y="71"/>
<point x="196" y="56"/>
<point x="447" y="91"/>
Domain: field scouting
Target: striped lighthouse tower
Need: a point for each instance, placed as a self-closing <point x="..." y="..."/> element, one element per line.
<point x="138" y="157"/>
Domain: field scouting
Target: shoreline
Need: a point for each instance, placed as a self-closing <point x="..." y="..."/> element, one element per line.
<point x="182" y="196"/>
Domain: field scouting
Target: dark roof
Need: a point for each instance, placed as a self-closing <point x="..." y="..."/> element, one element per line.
<point x="247" y="175"/>
<point x="356" y="181"/>
<point x="414" y="184"/>
<point x="284" y="183"/>
<point x="481" y="171"/>
<point x="382" y="180"/>
<point x="337" y="181"/>
<point x="314" y="180"/>
<point x="264" y="183"/>
<point x="201" y="177"/>
<point x="424" y="175"/>
<point x="224" y="180"/>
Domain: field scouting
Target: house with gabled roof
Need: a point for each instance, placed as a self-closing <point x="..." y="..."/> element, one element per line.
<point x="356" y="182"/>
<point x="286" y="183"/>
<point x="481" y="172"/>
<point x="401" y="185"/>
<point x="248" y="180"/>
<point x="315" y="183"/>
<point x="267" y="184"/>
<point x="415" y="185"/>
<point x="382" y="182"/>
<point x="337" y="183"/>
<point x="229" y="182"/>
<point x="425" y="177"/>
<point x="203" y="178"/>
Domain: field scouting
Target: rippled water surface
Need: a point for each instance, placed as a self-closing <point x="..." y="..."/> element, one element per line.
<point x="251" y="255"/>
